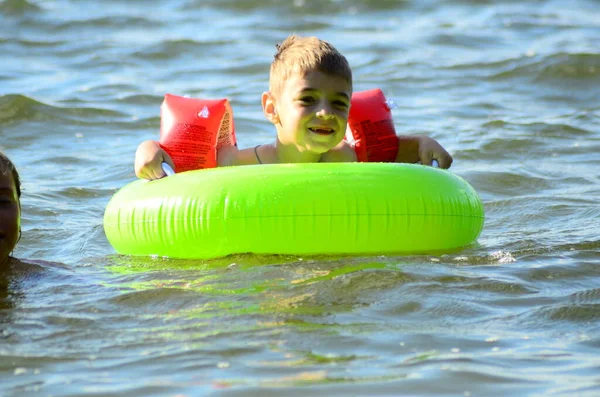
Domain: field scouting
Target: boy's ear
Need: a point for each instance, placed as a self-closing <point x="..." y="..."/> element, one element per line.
<point x="268" y="105"/>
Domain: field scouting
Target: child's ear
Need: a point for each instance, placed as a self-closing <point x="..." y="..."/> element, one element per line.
<point x="268" y="105"/>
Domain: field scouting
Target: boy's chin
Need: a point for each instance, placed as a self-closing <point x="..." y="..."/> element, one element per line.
<point x="323" y="144"/>
<point x="320" y="148"/>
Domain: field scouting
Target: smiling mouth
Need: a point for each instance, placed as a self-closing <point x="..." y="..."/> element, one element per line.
<point x="322" y="130"/>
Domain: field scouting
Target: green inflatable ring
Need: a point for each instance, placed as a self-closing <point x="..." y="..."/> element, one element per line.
<point x="297" y="209"/>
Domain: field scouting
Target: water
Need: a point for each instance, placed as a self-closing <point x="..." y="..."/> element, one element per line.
<point x="509" y="88"/>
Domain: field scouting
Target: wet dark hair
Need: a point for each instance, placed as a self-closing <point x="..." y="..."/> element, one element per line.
<point x="7" y="165"/>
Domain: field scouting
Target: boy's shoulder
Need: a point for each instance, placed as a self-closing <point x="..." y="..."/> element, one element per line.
<point x="342" y="153"/>
<point x="230" y="155"/>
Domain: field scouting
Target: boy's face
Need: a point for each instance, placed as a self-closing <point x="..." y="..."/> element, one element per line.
<point x="312" y="111"/>
<point x="10" y="214"/>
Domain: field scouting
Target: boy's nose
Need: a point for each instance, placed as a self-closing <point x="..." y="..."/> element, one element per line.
<point x="325" y="112"/>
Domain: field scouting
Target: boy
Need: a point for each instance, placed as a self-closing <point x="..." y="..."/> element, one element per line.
<point x="308" y="101"/>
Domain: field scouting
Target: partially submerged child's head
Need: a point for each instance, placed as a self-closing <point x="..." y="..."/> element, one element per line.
<point x="306" y="54"/>
<point x="10" y="208"/>
<point x="7" y="166"/>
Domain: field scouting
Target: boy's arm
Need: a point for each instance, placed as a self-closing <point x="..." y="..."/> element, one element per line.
<point x="149" y="157"/>
<point x="415" y="148"/>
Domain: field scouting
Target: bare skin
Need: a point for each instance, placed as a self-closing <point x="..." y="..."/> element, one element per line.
<point x="310" y="116"/>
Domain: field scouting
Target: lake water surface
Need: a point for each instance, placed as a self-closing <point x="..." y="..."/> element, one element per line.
<point x="510" y="88"/>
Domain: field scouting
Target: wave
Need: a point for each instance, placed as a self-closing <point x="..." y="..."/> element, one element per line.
<point x="321" y="7"/>
<point x="33" y="43"/>
<point x="547" y="130"/>
<point x="168" y="49"/>
<point x="554" y="68"/>
<point x="15" y="108"/>
<point x="109" y="21"/>
<point x="18" y="7"/>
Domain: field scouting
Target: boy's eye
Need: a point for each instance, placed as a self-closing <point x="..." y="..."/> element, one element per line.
<point x="341" y="104"/>
<point x="7" y="198"/>
<point x="307" y="100"/>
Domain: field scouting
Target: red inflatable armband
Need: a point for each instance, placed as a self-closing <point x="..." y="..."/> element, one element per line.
<point x="191" y="130"/>
<point x="371" y="128"/>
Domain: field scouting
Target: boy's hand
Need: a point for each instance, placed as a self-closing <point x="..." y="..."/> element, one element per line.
<point x="430" y="149"/>
<point x="421" y="148"/>
<point x="149" y="157"/>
